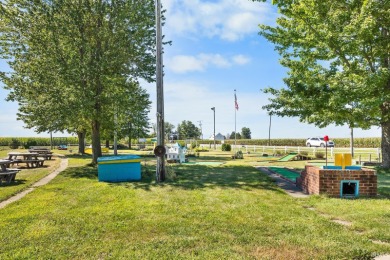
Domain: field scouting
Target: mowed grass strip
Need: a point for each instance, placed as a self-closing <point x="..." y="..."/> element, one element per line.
<point x="226" y="212"/>
<point x="26" y="177"/>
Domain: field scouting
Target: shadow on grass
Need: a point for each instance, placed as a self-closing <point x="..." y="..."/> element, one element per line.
<point x="83" y="172"/>
<point x="78" y="156"/>
<point x="383" y="182"/>
<point x="14" y="183"/>
<point x="205" y="177"/>
<point x="209" y="158"/>
<point x="188" y="177"/>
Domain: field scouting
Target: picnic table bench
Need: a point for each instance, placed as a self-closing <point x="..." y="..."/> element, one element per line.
<point x="7" y="175"/>
<point x="31" y="159"/>
<point x="43" y="152"/>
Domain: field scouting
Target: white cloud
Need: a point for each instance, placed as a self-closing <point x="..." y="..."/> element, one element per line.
<point x="229" y="20"/>
<point x="187" y="63"/>
<point x="184" y="63"/>
<point x="241" y="59"/>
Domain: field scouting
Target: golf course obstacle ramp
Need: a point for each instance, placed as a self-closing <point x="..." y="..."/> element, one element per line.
<point x="288" y="157"/>
<point x="285" y="173"/>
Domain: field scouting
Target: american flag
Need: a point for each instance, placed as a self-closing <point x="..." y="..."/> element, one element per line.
<point x="235" y="101"/>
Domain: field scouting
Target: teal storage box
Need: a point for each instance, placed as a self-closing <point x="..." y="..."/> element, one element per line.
<point x="119" y="168"/>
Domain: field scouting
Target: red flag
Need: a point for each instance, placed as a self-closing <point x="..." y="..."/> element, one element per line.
<point x="235" y="101"/>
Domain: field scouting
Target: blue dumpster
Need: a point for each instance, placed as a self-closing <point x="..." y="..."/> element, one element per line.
<point x="119" y="168"/>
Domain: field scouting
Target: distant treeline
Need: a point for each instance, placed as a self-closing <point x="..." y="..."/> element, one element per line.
<point x="26" y="142"/>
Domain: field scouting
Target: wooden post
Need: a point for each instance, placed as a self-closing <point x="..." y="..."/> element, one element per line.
<point x="160" y="167"/>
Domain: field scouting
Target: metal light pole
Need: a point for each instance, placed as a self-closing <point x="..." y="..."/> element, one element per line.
<point x="269" y="131"/>
<point x="213" y="108"/>
<point x="160" y="168"/>
<point x="201" y="133"/>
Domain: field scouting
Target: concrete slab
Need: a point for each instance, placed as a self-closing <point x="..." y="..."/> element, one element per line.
<point x="290" y="188"/>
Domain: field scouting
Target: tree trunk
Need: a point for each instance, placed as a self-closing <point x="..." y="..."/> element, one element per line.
<point x="351" y="141"/>
<point x="386" y="144"/>
<point x="96" y="149"/>
<point x="81" y="137"/>
<point x="107" y="143"/>
<point x="130" y="135"/>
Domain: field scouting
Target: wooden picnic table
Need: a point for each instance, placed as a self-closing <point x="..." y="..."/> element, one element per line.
<point x="4" y="164"/>
<point x="31" y="159"/>
<point x="26" y="156"/>
<point x="7" y="175"/>
<point x="45" y="153"/>
<point x="40" y="151"/>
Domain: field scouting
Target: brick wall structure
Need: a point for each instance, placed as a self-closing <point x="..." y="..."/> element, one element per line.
<point x="314" y="180"/>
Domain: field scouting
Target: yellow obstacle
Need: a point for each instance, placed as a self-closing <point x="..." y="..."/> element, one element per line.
<point x="343" y="159"/>
<point x="89" y="150"/>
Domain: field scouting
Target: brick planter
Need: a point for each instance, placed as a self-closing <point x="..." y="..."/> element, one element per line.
<point x="314" y="180"/>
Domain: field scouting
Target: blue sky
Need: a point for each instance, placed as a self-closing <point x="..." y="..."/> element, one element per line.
<point x="215" y="49"/>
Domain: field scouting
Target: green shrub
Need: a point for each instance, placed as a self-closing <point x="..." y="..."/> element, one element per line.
<point x="304" y="153"/>
<point x="14" y="144"/>
<point x="278" y="152"/>
<point x="226" y="147"/>
<point x="193" y="145"/>
<point x="239" y="155"/>
<point x="182" y="143"/>
<point x="201" y="149"/>
<point x="30" y="142"/>
<point x="319" y="155"/>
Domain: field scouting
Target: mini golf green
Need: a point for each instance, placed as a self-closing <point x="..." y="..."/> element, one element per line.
<point x="286" y="173"/>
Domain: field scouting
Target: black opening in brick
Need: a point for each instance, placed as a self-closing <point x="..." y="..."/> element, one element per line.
<point x="349" y="188"/>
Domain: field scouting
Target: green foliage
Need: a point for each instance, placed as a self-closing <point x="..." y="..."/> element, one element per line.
<point x="39" y="141"/>
<point x="14" y="144"/>
<point x="319" y="155"/>
<point x="278" y="153"/>
<point x="226" y="147"/>
<point x="30" y="142"/>
<point x="74" y="66"/>
<point x="337" y="73"/>
<point x="181" y="143"/>
<point x="187" y="130"/>
<point x="239" y="155"/>
<point x="194" y="145"/>
<point x="304" y="153"/>
<point x="246" y="133"/>
<point x="234" y="136"/>
<point x="201" y="149"/>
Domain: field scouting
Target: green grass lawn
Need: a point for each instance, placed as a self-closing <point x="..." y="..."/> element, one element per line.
<point x="26" y="177"/>
<point x="231" y="211"/>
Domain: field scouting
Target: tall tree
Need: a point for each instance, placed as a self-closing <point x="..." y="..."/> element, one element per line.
<point x="187" y="130"/>
<point x="337" y="53"/>
<point x="83" y="50"/>
<point x="233" y="135"/>
<point x="169" y="128"/>
<point x="246" y="133"/>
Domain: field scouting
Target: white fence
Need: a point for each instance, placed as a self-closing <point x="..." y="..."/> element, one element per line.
<point x="361" y="154"/>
